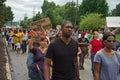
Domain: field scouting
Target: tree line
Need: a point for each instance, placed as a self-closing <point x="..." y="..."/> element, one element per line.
<point x="6" y="13"/>
<point x="90" y="14"/>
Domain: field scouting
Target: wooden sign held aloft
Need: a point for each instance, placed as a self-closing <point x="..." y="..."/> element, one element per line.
<point x="41" y="24"/>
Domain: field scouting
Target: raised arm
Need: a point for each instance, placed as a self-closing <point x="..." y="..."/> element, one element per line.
<point x="30" y="43"/>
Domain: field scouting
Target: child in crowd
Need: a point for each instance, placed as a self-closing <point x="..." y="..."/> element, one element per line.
<point x="10" y="41"/>
<point x="18" y="46"/>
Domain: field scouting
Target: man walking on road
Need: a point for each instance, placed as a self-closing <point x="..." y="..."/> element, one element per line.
<point x="63" y="54"/>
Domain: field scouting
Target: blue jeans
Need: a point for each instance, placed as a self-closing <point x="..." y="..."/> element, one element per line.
<point x="24" y="46"/>
<point x="92" y="62"/>
<point x="2" y="36"/>
<point x="34" y="75"/>
<point x="29" y="62"/>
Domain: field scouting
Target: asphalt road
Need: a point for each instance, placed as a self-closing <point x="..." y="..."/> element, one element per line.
<point x="18" y="65"/>
<point x="19" y="69"/>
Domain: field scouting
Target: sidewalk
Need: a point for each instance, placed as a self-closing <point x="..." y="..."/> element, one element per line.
<point x="19" y="69"/>
<point x="18" y="65"/>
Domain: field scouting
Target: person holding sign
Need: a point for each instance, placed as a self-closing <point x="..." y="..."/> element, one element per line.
<point x="36" y="68"/>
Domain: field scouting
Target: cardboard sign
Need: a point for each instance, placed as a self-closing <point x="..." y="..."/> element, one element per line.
<point x="36" y="36"/>
<point x="58" y="27"/>
<point x="44" y="23"/>
<point x="113" y="21"/>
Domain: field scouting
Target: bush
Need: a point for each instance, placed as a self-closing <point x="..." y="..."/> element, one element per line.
<point x="118" y="37"/>
<point x="92" y="21"/>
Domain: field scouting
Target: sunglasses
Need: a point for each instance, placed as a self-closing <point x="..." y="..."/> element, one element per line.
<point x="110" y="40"/>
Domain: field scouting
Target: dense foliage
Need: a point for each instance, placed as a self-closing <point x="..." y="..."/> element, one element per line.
<point x="92" y="21"/>
<point x="70" y="11"/>
<point x="93" y="6"/>
<point x="6" y="13"/>
<point x="116" y="11"/>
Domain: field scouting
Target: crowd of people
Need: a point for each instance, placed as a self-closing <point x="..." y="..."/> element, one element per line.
<point x="60" y="54"/>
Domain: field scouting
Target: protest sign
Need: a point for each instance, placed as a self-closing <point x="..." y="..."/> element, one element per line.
<point x="42" y="24"/>
<point x="113" y="21"/>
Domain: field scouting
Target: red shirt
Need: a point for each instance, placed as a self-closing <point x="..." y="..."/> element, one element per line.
<point x="96" y="45"/>
<point x="30" y="32"/>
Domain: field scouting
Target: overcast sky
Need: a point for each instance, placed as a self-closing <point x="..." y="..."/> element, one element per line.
<point x="22" y="7"/>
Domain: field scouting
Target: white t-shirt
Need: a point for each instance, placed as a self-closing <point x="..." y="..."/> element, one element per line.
<point x="100" y="36"/>
<point x="3" y="33"/>
<point x="25" y="36"/>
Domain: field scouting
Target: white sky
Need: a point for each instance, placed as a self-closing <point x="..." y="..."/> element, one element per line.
<point x="22" y="7"/>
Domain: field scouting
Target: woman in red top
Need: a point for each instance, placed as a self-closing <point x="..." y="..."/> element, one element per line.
<point x="95" y="45"/>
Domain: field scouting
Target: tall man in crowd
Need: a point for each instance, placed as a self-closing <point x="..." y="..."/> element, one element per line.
<point x="62" y="52"/>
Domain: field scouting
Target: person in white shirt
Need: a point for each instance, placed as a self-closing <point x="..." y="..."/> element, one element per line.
<point x="100" y="34"/>
<point x="18" y="46"/>
<point x="24" y="39"/>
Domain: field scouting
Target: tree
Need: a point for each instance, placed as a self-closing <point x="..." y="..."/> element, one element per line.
<point x="70" y="10"/>
<point x="38" y="16"/>
<point x="116" y="11"/>
<point x="26" y="22"/>
<point x="5" y="13"/>
<point x="92" y="21"/>
<point x="47" y="11"/>
<point x="58" y="16"/>
<point x="8" y="14"/>
<point x="1" y="2"/>
<point x="47" y="7"/>
<point x="93" y="6"/>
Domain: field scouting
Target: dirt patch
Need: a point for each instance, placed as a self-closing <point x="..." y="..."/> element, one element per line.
<point x="2" y="61"/>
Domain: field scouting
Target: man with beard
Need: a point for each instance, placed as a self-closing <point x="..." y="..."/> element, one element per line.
<point x="62" y="52"/>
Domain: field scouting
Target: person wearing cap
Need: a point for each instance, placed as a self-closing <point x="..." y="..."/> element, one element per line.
<point x="83" y="44"/>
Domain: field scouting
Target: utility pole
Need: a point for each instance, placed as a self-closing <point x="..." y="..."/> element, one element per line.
<point x="76" y="13"/>
<point x="33" y="11"/>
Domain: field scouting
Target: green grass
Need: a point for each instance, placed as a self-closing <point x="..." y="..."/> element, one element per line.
<point x="0" y="35"/>
<point x="118" y="37"/>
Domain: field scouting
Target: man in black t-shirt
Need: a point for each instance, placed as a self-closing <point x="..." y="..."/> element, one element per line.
<point x="63" y="54"/>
